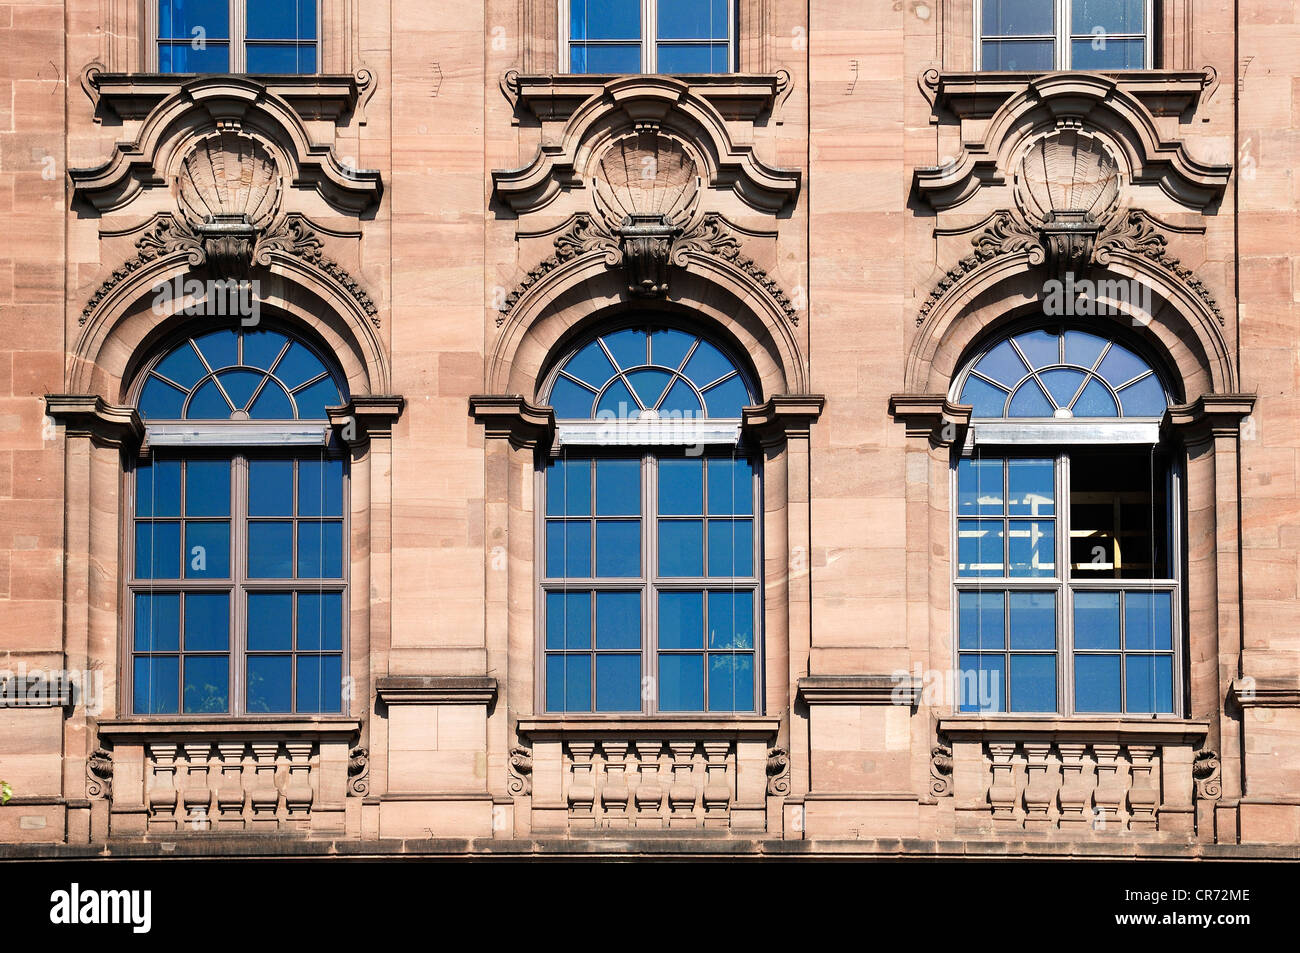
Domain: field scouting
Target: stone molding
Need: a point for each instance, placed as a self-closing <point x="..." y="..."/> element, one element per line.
<point x="1208" y="417"/>
<point x="553" y="726"/>
<point x="1118" y="730"/>
<point x="132" y="96"/>
<point x="1265" y="692"/>
<point x="89" y="415"/>
<point x="860" y="690"/>
<point x="373" y="414"/>
<point x="931" y="415"/>
<point x="782" y="416"/>
<point x="119" y="730"/>
<point x="436" y="689"/>
<point x="513" y="418"/>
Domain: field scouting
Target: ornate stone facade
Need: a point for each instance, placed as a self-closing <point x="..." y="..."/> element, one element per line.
<point x="853" y="210"/>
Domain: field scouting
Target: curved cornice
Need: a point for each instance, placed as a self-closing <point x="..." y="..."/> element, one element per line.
<point x="223" y="102"/>
<point x="1100" y="102"/>
<point x="646" y="102"/>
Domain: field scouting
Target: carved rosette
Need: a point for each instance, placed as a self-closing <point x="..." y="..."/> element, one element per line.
<point x="778" y="772"/>
<point x="359" y="772"/>
<point x="99" y="775"/>
<point x="941" y="770"/>
<point x="520" y="767"/>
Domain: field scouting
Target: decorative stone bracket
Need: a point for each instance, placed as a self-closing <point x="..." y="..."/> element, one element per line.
<point x="933" y="416"/>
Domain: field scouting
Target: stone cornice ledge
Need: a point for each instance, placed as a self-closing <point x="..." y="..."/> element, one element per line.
<point x="659" y="727"/>
<point x="860" y="690"/>
<point x="436" y="689"/>
<point x="553" y="97"/>
<point x="931" y="415"/>
<point x="89" y="415"/>
<point x="511" y="417"/>
<point x="976" y="727"/>
<point x="1266" y="692"/>
<point x="121" y="729"/>
<point x="783" y="416"/>
<point x="977" y="95"/>
<point x="374" y="414"/>
<point x="1210" y="415"/>
<point x="313" y="96"/>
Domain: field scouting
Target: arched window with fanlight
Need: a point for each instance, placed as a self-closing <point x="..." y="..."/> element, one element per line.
<point x="650" y="568"/>
<point x="1066" y="530"/>
<point x="237" y="555"/>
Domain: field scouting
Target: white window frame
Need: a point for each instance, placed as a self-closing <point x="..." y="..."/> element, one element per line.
<point x="1062" y="36"/>
<point x="649" y="36"/>
<point x="238" y="38"/>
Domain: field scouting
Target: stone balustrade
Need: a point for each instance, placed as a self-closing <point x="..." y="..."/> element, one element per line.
<point x="648" y="774"/>
<point x="1083" y="776"/>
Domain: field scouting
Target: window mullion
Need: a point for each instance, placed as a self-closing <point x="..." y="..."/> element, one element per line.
<point x="649" y="36"/>
<point x="650" y="607"/>
<point x="1062" y="58"/>
<point x="238" y="27"/>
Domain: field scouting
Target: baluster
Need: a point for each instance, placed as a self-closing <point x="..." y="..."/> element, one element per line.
<point x="297" y="791"/>
<point x="198" y="797"/>
<point x="582" y="785"/>
<point x="1040" y="786"/>
<point x="649" y="790"/>
<point x="1142" y="795"/>
<point x="1109" y="796"/>
<point x="682" y="792"/>
<point x="1076" y="789"/>
<point x="265" y="796"/>
<point x="230" y="793"/>
<point x="717" y="785"/>
<point x="614" y="796"/>
<point x="1002" y="792"/>
<point x="162" y="793"/>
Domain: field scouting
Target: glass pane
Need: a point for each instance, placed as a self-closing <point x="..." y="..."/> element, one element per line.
<point x="731" y="487"/>
<point x="1003" y="364"/>
<point x="568" y="682"/>
<point x="612" y="58"/>
<point x="320" y="683"/>
<point x="681" y="620"/>
<point x="156" y="685"/>
<point x="178" y="18"/>
<point x="692" y="58"/>
<point x="681" y="487"/>
<point x="207" y="550"/>
<point x="219" y="348"/>
<point x="1147" y="622"/>
<point x="1102" y="53"/>
<point x="1017" y="17"/>
<point x="568" y="549"/>
<point x="1096" y="401"/>
<point x="571" y="401"/>
<point x="1120" y="365"/>
<point x="618" y="487"/>
<point x="618" y="682"/>
<point x="1030" y="401"/>
<point x="270" y="488"/>
<point x="979" y="548"/>
<point x="1096" y="620"/>
<point x="182" y="366"/>
<point x="1033" y="683"/>
<point x="1032" y="548"/>
<point x="207" y="621"/>
<point x="1017" y="55"/>
<point x="1146" y="398"/>
<point x="262" y="348"/>
<point x="320" y="621"/>
<point x="982" y="680"/>
<point x="731" y="548"/>
<point x="270" y="683"/>
<point x="1096" y="683"/>
<point x="1041" y="347"/>
<point x="727" y="399"/>
<point x="207" y="488"/>
<point x="984" y="399"/>
<point x="207" y="683"/>
<point x="1148" y="683"/>
<point x="591" y="366"/>
<point x="157" y="622"/>
<point x="1082" y="348"/>
<point x="161" y="401"/>
<point x="239" y="386"/>
<point x="320" y="487"/>
<point x="270" y="550"/>
<point x="158" y="488"/>
<point x="681" y="548"/>
<point x="280" y="58"/>
<point x="568" y="620"/>
<point x="1063" y="384"/>
<point x="298" y="366"/>
<point x="568" y="488"/>
<point x="979" y="486"/>
<point x="270" y="621"/>
<point x="682" y="402"/>
<point x="731" y="620"/>
<point x="282" y="19"/>
<point x="629" y="347"/>
<point x="158" y="550"/>
<point x="1112" y="16"/>
<point x="707" y="365"/>
<point x="604" y="19"/>
<point x="208" y="403"/>
<point x="681" y="682"/>
<point x="1033" y="620"/>
<point x="617" y="403"/>
<point x="320" y="550"/>
<point x="1031" y="487"/>
<point x="649" y="384"/>
<point x="313" y="399"/>
<point x="731" y="682"/>
<point x="669" y="347"/>
<point x="980" y="620"/>
<point x="618" y="548"/>
<point x="692" y="19"/>
<point x="211" y="57"/>
<point x="618" y="620"/>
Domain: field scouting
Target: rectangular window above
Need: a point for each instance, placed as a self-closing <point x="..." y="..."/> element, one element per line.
<point x="647" y="36"/>
<point x="1043" y="35"/>
<point x="235" y="36"/>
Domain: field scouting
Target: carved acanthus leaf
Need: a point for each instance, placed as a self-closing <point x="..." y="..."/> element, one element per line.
<point x="165" y="235"/>
<point x="359" y="772"/>
<point x="292" y="235"/>
<point x="99" y="775"/>
<point x="778" y="772"/>
<point x="1005" y="235"/>
<point x="520" y="766"/>
<point x="1136" y="234"/>
<point x="941" y="770"/>
<point x="713" y="237"/>
<point x="1205" y="769"/>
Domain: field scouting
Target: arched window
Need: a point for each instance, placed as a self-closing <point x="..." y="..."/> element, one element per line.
<point x="1066" y="591"/>
<point x="238" y="556"/>
<point x="650" y="540"/>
